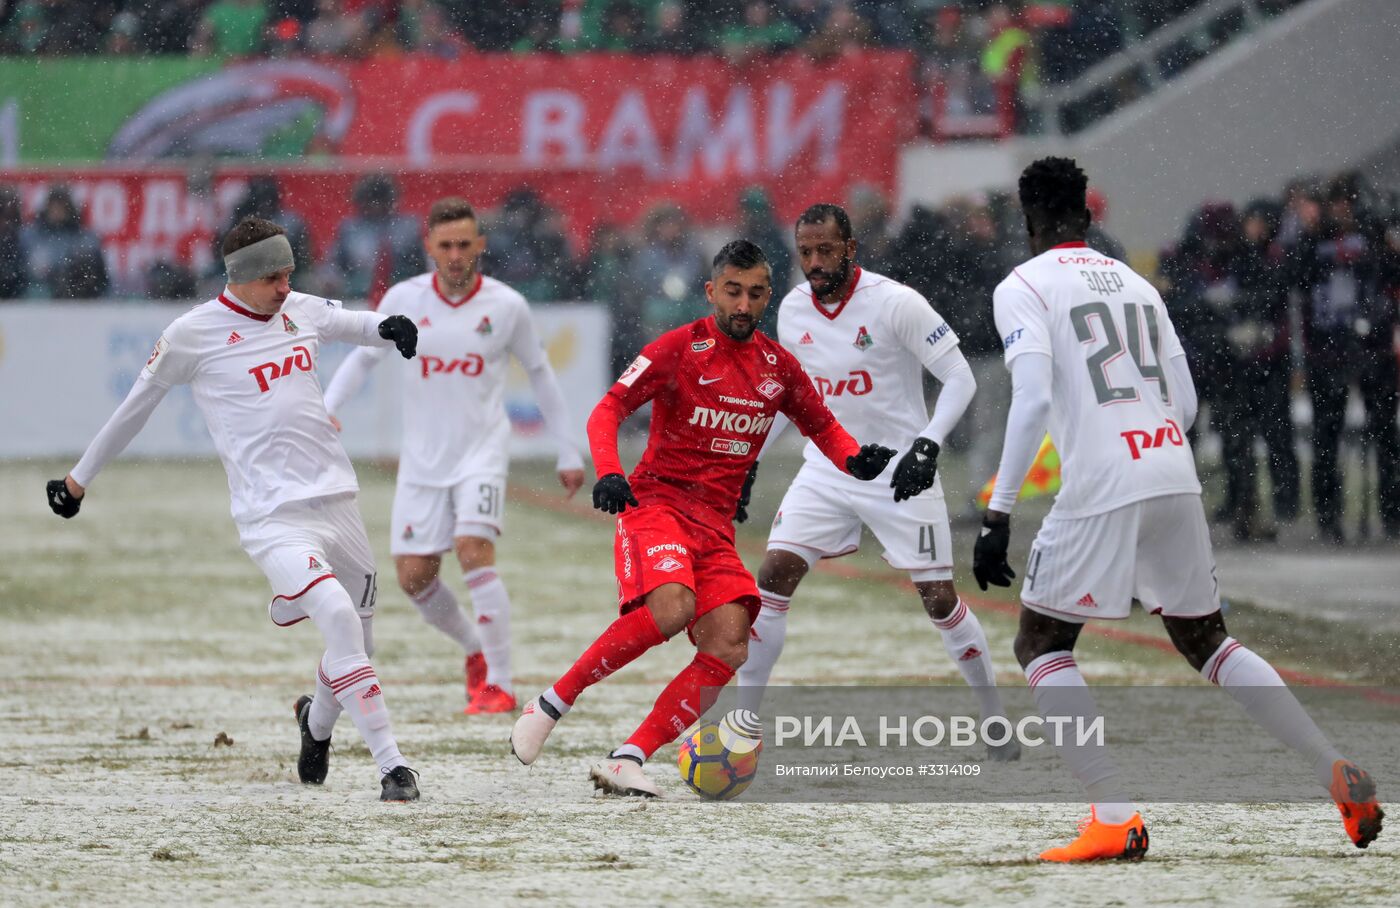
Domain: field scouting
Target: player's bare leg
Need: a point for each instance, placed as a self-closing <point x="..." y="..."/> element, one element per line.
<point x="624" y="640"/>
<point x="721" y="643"/>
<point x="491" y="604"/>
<point x="418" y="577"/>
<point x="1257" y="687"/>
<point x="778" y="579"/>
<point x="966" y="644"/>
<point x="1045" y="648"/>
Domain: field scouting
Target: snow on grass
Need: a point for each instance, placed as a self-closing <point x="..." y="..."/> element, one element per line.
<point x="136" y="646"/>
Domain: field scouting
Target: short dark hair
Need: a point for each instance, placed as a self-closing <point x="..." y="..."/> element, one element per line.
<point x="451" y="208"/>
<point x="822" y="212"/>
<point x="1053" y="190"/>
<point x="742" y="254"/>
<point x="248" y="231"/>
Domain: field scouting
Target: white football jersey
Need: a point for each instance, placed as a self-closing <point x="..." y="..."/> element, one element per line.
<point x="454" y="415"/>
<point x="254" y="379"/>
<point x="1113" y="417"/>
<point x="866" y="357"/>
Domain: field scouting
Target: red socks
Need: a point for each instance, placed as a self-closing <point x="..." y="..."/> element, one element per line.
<point x="683" y="701"/>
<point x="624" y="640"/>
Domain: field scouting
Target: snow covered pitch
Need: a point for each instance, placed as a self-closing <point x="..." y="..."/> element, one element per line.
<point x="148" y="747"/>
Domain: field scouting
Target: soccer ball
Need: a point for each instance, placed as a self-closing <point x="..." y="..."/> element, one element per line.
<point x="719" y="759"/>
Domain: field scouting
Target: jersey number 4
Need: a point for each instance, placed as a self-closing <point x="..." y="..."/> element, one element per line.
<point x="1081" y="317"/>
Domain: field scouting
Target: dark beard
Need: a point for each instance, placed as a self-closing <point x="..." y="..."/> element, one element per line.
<point x="838" y="280"/>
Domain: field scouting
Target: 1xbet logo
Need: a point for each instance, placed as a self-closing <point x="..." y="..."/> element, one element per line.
<point x="1139" y="441"/>
<point x="267" y="373"/>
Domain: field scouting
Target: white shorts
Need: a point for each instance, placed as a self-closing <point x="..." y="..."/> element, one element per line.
<point x="1156" y="551"/>
<point x="825" y="517"/>
<point x="426" y="519"/>
<point x="304" y="543"/>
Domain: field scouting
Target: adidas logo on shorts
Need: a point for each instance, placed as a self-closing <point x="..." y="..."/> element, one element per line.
<point x="1087" y="602"/>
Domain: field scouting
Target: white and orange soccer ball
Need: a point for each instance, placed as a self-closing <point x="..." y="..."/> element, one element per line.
<point x="718" y="760"/>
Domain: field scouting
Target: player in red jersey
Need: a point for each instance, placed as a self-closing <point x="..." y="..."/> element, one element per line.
<point x="716" y="385"/>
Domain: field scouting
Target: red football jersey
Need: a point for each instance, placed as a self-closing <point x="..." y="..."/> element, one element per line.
<point x="714" y="399"/>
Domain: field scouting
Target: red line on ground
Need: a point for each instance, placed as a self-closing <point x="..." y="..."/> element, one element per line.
<point x="848" y="571"/>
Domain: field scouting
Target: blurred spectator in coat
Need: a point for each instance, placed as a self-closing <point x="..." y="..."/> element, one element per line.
<point x="1253" y="392"/>
<point x="527" y="249"/>
<point x="14" y="269"/>
<point x="762" y="31"/>
<point x="843" y="31"/>
<point x="1348" y="333"/>
<point x="668" y="272"/>
<point x="231" y="28"/>
<point x="671" y="32"/>
<point x="1098" y="238"/>
<point x="870" y="222"/>
<point x="759" y="223"/>
<point x="376" y="247"/>
<point x="263" y="199"/>
<point x="65" y="258"/>
<point x="605" y="281"/>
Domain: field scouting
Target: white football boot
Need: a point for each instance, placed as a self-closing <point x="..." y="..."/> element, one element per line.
<point x="621" y="776"/>
<point x="530" y="731"/>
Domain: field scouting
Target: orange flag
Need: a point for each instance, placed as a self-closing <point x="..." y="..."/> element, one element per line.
<point x="1043" y="478"/>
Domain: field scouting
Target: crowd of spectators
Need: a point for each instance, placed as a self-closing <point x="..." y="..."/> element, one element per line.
<point x="986" y="54"/>
<point x="1284" y="293"/>
<point x="1305" y="288"/>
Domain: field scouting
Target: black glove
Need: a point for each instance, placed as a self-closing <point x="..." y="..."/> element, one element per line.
<point x="612" y="494"/>
<point x="989" y="555"/>
<point x="62" y="502"/>
<point x="916" y="469"/>
<point x="741" y="513"/>
<point x="870" y="462"/>
<point x="401" y="330"/>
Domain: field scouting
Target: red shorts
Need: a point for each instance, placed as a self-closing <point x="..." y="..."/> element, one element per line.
<point x="656" y="544"/>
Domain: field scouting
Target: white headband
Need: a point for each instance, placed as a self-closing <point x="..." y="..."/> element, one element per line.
<point x="259" y="260"/>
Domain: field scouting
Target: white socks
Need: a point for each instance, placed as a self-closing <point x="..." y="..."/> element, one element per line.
<point x="345" y="679"/>
<point x="1255" y="685"/>
<point x="966" y="644"/>
<point x="439" y="608"/>
<point x="1059" y="690"/>
<point x="492" y="607"/>
<point x="765" y="646"/>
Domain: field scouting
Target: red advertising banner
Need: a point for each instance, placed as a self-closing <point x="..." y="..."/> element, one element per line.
<point x="599" y="137"/>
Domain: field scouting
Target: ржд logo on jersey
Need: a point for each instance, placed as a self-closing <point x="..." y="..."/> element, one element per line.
<point x="1139" y="441"/>
<point x="267" y="373"/>
<point x="469" y="365"/>
<point x="858" y="383"/>
<point x="743" y="423"/>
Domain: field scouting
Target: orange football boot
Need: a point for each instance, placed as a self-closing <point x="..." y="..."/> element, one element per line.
<point x="1355" y="795"/>
<point x="476" y="675"/>
<point x="492" y="699"/>
<point x="1102" y="842"/>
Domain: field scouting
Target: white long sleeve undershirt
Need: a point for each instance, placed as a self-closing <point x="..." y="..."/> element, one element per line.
<point x="122" y="426"/>
<point x="959" y="385"/>
<point x="1031" y="375"/>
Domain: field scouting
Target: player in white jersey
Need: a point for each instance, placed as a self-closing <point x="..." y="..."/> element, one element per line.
<point x="453" y="459"/>
<point x="866" y="341"/>
<point x="1093" y="354"/>
<point x="250" y="358"/>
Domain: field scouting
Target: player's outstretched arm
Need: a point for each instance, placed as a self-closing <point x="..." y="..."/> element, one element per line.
<point x="366" y="329"/>
<point x="65" y="495"/>
<point x="526" y="347"/>
<point x="869" y="462"/>
<point x="350" y="377"/>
